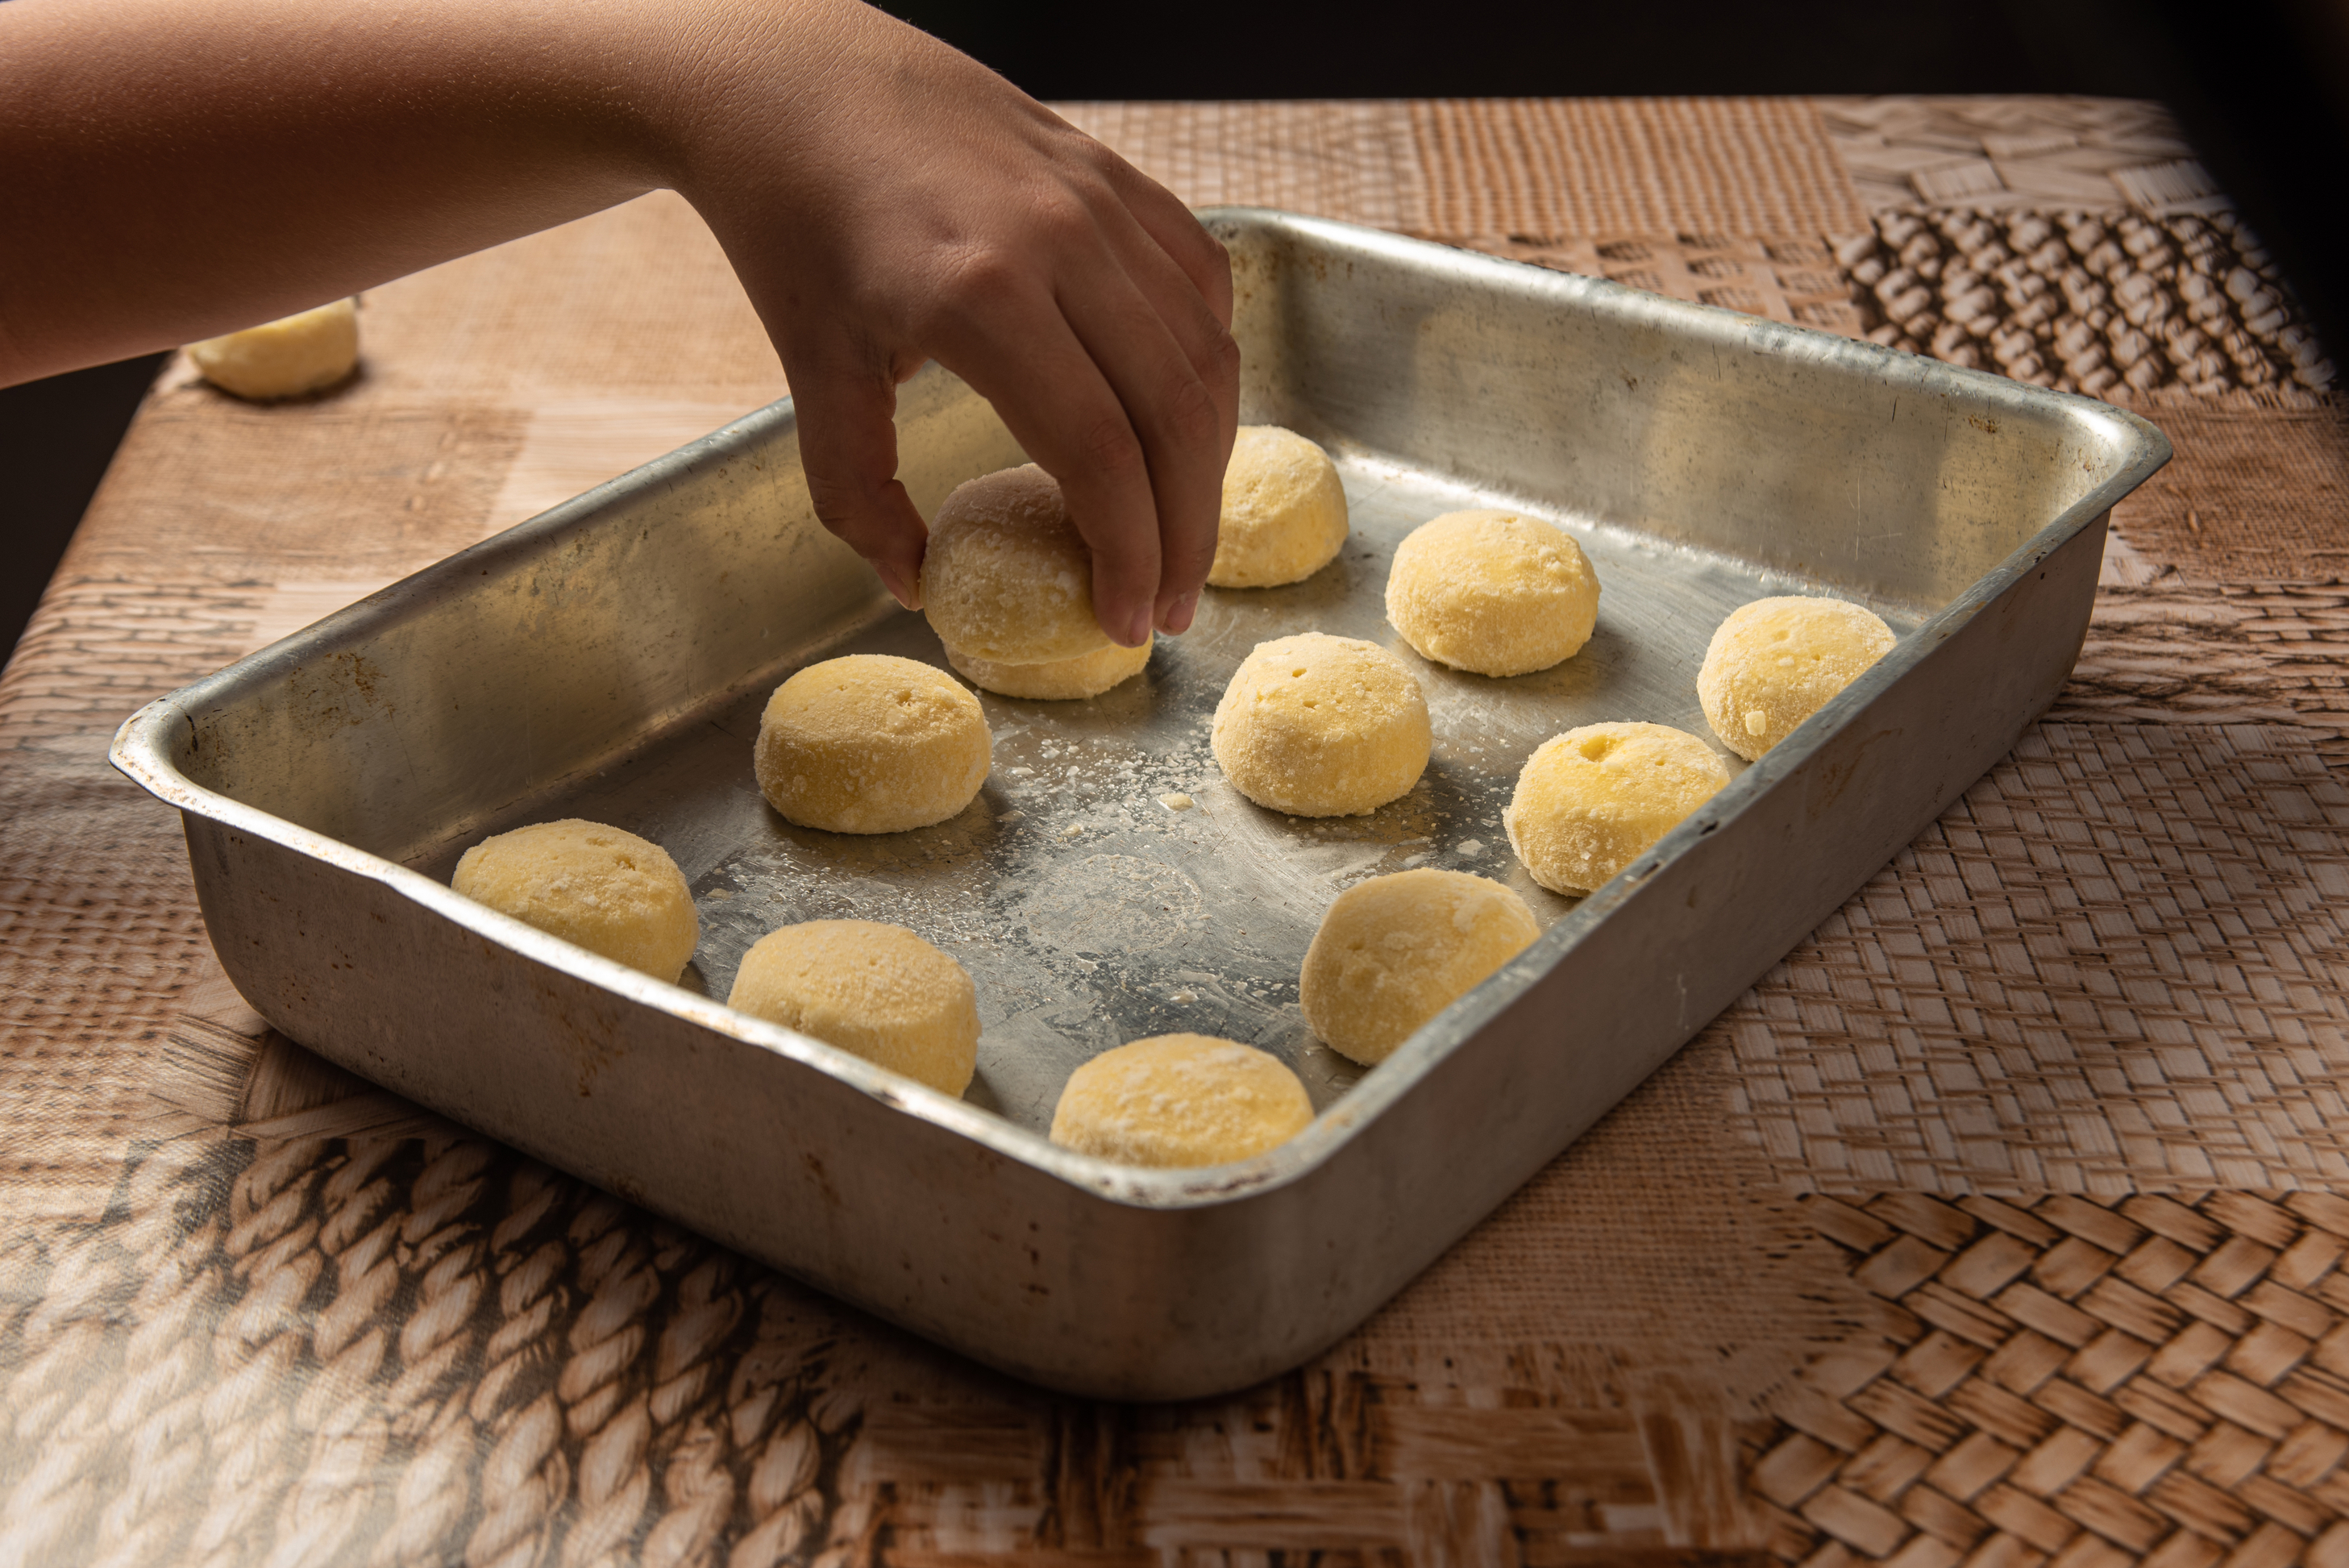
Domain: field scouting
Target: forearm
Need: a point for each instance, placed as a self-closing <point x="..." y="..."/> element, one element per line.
<point x="170" y="169"/>
<point x="162" y="184"/>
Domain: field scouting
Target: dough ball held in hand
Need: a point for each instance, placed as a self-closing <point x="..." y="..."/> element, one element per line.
<point x="1393" y="951"/>
<point x="1776" y="662"/>
<point x="1059" y="679"/>
<point x="1005" y="576"/>
<point x="608" y="890"/>
<point x="1315" y="725"/>
<point x="872" y="744"/>
<point x="875" y="990"/>
<point x="1493" y="592"/>
<point x="1284" y="512"/>
<point x="1180" y="1100"/>
<point x="306" y="352"/>
<point x="1591" y="801"/>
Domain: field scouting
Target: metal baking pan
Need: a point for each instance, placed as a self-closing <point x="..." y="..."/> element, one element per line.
<point x="609" y="658"/>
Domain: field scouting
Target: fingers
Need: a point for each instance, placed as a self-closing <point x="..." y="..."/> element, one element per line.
<point x="1185" y="431"/>
<point x="844" y="401"/>
<point x="1188" y="532"/>
<point x="1027" y="360"/>
<point x="1178" y="232"/>
<point x="1097" y="387"/>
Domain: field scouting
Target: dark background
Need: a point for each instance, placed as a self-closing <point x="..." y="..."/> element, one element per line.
<point x="2261" y="88"/>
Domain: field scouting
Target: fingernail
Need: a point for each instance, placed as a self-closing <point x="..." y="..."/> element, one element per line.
<point x="1137" y="628"/>
<point x="1179" y="614"/>
<point x="892" y="580"/>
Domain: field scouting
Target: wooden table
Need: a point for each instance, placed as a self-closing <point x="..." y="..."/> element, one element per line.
<point x="2002" y="1221"/>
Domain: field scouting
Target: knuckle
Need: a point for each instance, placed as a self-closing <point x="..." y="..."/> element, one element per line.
<point x="1110" y="448"/>
<point x="1193" y="418"/>
<point x="1207" y="252"/>
<point x="1189" y="552"/>
<point x="977" y="276"/>
<point x="843" y="502"/>
<point x="1223" y="352"/>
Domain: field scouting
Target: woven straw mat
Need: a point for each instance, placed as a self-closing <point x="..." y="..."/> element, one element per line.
<point x="2002" y="1222"/>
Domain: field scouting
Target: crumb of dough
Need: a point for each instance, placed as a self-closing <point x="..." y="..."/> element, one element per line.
<point x="872" y="744"/>
<point x="1057" y="680"/>
<point x="1284" y="515"/>
<point x="604" y="889"/>
<point x="1005" y="576"/>
<point x="1180" y="1100"/>
<point x="1395" y="951"/>
<point x="304" y="352"/>
<point x="1591" y="801"/>
<point x="1776" y="662"/>
<point x="1317" y="725"/>
<point x="1177" y="801"/>
<point x="875" y="990"/>
<point x="1493" y="592"/>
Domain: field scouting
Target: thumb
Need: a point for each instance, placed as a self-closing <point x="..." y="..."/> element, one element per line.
<point x="848" y="450"/>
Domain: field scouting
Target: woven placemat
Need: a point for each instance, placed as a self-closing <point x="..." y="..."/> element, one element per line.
<point x="1990" y="1226"/>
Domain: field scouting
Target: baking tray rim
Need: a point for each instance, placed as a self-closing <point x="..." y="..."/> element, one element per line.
<point x="141" y="748"/>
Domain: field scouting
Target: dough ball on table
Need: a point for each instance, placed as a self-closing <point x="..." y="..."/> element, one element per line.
<point x="1493" y="592"/>
<point x="1005" y="576"/>
<point x="1593" y="800"/>
<point x="872" y="744"/>
<point x="1393" y="951"/>
<point x="1776" y="662"/>
<point x="1087" y="675"/>
<point x="1317" y="725"/>
<point x="875" y="991"/>
<point x="1284" y="511"/>
<point x="610" y="891"/>
<point x="284" y="359"/>
<point x="1180" y="1100"/>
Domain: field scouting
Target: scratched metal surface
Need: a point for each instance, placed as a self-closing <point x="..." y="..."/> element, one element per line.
<point x="1090" y="913"/>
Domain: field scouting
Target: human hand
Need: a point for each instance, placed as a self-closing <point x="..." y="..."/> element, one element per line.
<point x="904" y="203"/>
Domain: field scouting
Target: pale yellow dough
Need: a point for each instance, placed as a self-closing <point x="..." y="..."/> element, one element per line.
<point x="1395" y="951"/>
<point x="1005" y="576"/>
<point x="608" y="890"/>
<point x="1180" y="1100"/>
<point x="283" y="359"/>
<point x="872" y="744"/>
<point x="1493" y="592"/>
<point x="875" y="990"/>
<point x="1087" y="675"/>
<point x="1284" y="515"/>
<point x="1776" y="662"/>
<point x="1315" y="725"/>
<point x="1593" y="800"/>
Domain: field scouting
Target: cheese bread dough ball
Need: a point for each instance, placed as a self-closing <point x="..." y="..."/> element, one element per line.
<point x="1395" y="951"/>
<point x="1318" y="726"/>
<point x="1593" y="800"/>
<point x="608" y="890"/>
<point x="875" y="991"/>
<point x="1776" y="662"/>
<point x="1179" y="1100"/>
<point x="1493" y="592"/>
<point x="872" y="744"/>
<point x="1086" y="675"/>
<point x="283" y="359"/>
<point x="1284" y="511"/>
<point x="1005" y="576"/>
